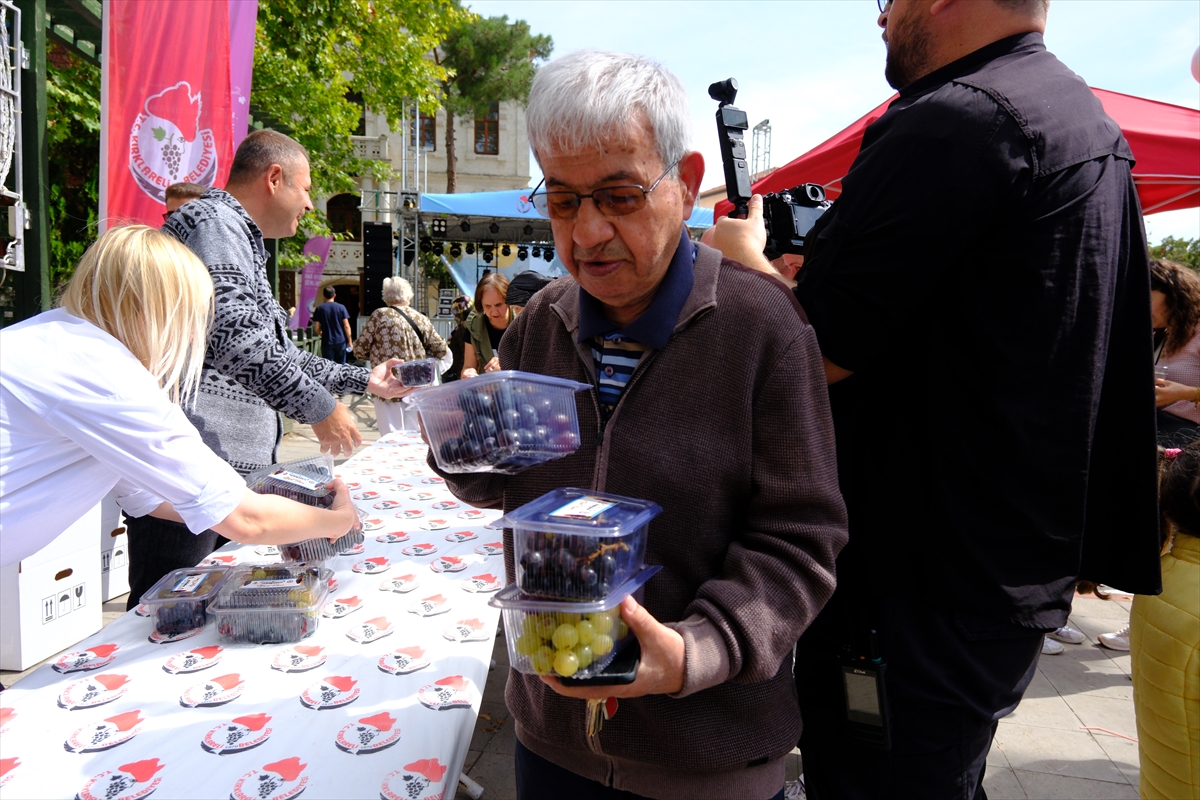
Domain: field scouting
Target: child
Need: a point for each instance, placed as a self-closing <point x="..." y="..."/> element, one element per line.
<point x="1164" y="641"/>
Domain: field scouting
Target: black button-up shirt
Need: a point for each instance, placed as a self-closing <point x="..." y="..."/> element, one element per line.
<point x="984" y="275"/>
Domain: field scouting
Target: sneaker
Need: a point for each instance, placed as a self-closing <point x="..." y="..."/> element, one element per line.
<point x="1116" y="641"/>
<point x="1051" y="647"/>
<point x="1068" y="634"/>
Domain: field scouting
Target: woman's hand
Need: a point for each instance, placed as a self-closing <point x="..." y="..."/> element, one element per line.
<point x="344" y="506"/>
<point x="493" y="365"/>
<point x="468" y="372"/>
<point x="1168" y="392"/>
<point x="383" y="383"/>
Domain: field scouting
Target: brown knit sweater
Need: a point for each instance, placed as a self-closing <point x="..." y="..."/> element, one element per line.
<point x="728" y="429"/>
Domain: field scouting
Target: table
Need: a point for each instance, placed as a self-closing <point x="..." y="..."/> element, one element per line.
<point x="389" y="715"/>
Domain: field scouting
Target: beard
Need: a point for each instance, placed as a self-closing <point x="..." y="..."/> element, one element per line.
<point x="908" y="46"/>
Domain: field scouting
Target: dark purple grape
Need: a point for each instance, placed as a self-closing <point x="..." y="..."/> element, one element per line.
<point x="479" y="429"/>
<point x="588" y="579"/>
<point x="451" y="450"/>
<point x="566" y="440"/>
<point x="526" y="436"/>
<point x="559" y="422"/>
<point x="529" y="415"/>
<point x="488" y="444"/>
<point x="508" y="438"/>
<point x="544" y="407"/>
<point x="510" y="418"/>
<point x="541" y="434"/>
<point x="563" y="562"/>
<point x="606" y="566"/>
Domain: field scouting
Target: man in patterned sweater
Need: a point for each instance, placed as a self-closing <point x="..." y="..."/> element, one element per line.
<point x="251" y="369"/>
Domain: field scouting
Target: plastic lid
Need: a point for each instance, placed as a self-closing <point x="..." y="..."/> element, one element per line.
<point x="492" y="379"/>
<point x="510" y="597"/>
<point x="192" y="583"/>
<point x="581" y="511"/>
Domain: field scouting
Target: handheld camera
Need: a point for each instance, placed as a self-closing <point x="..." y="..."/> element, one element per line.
<point x="788" y="215"/>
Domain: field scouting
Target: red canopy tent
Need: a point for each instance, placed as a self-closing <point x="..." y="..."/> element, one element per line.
<point x="1165" y="140"/>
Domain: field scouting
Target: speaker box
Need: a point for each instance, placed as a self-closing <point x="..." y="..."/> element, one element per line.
<point x="378" y="263"/>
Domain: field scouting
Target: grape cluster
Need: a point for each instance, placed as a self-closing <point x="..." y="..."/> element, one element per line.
<point x="508" y="428"/>
<point x="270" y="604"/>
<point x="181" y="613"/>
<point x="172" y="155"/>
<point x="567" y="567"/>
<point x="566" y="644"/>
<point x="415" y="373"/>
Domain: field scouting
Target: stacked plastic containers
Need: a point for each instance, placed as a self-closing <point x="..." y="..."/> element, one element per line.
<point x="271" y="603"/>
<point x="305" y="481"/>
<point x="504" y="421"/>
<point x="578" y="554"/>
<point x="178" y="602"/>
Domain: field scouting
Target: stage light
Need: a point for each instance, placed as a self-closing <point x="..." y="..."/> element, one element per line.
<point x="494" y="228"/>
<point x="548" y="254"/>
<point x="465" y="225"/>
<point x="522" y="253"/>
<point x="506" y="251"/>
<point x="527" y="230"/>
<point x="439" y="226"/>
<point x="487" y="256"/>
<point x="470" y="248"/>
<point x="537" y="252"/>
<point x="455" y="250"/>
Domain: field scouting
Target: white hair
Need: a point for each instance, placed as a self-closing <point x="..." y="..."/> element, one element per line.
<point x="589" y="96"/>
<point x="397" y="291"/>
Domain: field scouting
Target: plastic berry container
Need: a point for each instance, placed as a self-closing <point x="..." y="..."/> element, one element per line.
<point x="569" y="640"/>
<point x="503" y="422"/>
<point x="305" y="480"/>
<point x="270" y="604"/>
<point x="419" y="372"/>
<point x="575" y="544"/>
<point x="319" y="549"/>
<point x="179" y="601"/>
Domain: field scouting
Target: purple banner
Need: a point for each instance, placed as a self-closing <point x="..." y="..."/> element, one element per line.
<point x="242" y="16"/>
<point x="310" y="280"/>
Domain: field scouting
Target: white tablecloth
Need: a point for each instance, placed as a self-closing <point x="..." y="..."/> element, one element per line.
<point x="147" y="738"/>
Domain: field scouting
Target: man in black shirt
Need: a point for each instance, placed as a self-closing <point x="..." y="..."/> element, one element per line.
<point x="980" y="293"/>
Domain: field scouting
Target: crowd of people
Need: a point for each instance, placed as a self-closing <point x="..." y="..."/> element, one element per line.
<point x="743" y="397"/>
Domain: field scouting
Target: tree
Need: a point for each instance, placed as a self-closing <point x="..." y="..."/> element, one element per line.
<point x="488" y="61"/>
<point x="1185" y="251"/>
<point x="312" y="55"/>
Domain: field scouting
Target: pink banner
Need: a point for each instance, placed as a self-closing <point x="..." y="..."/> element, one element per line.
<point x="242" y="16"/>
<point x="310" y="280"/>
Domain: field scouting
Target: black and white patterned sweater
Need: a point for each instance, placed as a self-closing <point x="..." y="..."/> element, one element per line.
<point x="251" y="368"/>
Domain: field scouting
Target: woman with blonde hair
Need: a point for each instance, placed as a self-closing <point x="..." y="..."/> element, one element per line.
<point x="89" y="402"/>
<point x="398" y="331"/>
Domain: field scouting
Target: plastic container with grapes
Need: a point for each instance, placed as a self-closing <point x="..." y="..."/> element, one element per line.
<point x="305" y="480"/>
<point x="179" y="601"/>
<point x="576" y="544"/>
<point x="419" y="372"/>
<point x="569" y="640"/>
<point x="505" y="421"/>
<point x="270" y="603"/>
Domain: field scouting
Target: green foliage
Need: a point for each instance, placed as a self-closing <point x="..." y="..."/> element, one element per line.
<point x="1185" y="251"/>
<point x="310" y="54"/>
<point x="435" y="270"/>
<point x="489" y="60"/>
<point x="73" y="142"/>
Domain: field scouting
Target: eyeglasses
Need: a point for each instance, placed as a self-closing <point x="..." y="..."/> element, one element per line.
<point x="611" y="201"/>
<point x="884" y="5"/>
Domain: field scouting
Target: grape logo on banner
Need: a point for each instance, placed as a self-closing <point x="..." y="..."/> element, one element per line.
<point x="91" y="692"/>
<point x="369" y="734"/>
<point x="237" y="735"/>
<point x="278" y="780"/>
<point x="105" y="735"/>
<point x="127" y="782"/>
<point x="415" y="782"/>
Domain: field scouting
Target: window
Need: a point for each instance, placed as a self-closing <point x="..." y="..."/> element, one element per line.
<point x="428" y="139"/>
<point x="344" y="216"/>
<point x="487" y="132"/>
<point x="361" y="128"/>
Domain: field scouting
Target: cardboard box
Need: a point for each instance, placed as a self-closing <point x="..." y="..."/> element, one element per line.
<point x="114" y="551"/>
<point x="51" y="600"/>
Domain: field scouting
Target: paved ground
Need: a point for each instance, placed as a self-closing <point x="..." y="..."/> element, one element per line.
<point x="1071" y="737"/>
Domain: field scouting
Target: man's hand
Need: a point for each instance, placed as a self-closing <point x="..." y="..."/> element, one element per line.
<point x="386" y="385"/>
<point x="338" y="432"/>
<point x="662" y="667"/>
<point x="344" y="506"/>
<point x="742" y="239"/>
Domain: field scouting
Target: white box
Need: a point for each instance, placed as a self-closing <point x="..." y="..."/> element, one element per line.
<point x="51" y="600"/>
<point x="114" y="551"/>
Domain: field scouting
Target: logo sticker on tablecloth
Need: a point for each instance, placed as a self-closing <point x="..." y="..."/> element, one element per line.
<point x="142" y="610"/>
<point x="94" y="657"/>
<point x="353" y="486"/>
<point x="369" y="735"/>
<point x="410" y="513"/>
<point x="166" y="638"/>
<point x="106" y="734"/>
<point x="482" y="583"/>
<point x="453" y="691"/>
<point x="383" y="479"/>
<point x="434" y="525"/>
<point x="471" y="514"/>
<point x="404" y="660"/>
<point x="369" y="631"/>
<point x="434" y="481"/>
<point x="193" y="660"/>
<point x="334" y="691"/>
<point x="447" y="564"/>
<point x="367" y="495"/>
<point x="372" y="566"/>
<point x="237" y="735"/>
<point x="392" y="538"/>
<point x="220" y="561"/>
<point x="8" y="768"/>
<point x="298" y="658"/>
<point x="429" y="606"/>
<point x="461" y="536"/>
<point x="7" y="715"/>
<point x="423" y="549"/>
<point x="333" y="584"/>
<point x="420" y="780"/>
<point x="466" y="630"/>
<point x="445" y="505"/>
<point x="336" y="609"/>
<point x="94" y="691"/>
<point x="279" y="780"/>
<point x="490" y="549"/>
<point x="372" y="524"/>
<point x="386" y="504"/>
<point x="421" y="495"/>
<point x="400" y="584"/>
<point x="354" y="550"/>
<point x="131" y="781"/>
<point x="216" y="692"/>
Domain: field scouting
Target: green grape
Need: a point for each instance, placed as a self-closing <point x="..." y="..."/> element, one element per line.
<point x="528" y="643"/>
<point x="622" y="629"/>
<point x="565" y="637"/>
<point x="545" y="625"/>
<point x="585" y="655"/>
<point x="542" y="661"/>
<point x="602" y="645"/>
<point x="602" y="622"/>
<point x="586" y="632"/>
<point x="566" y="663"/>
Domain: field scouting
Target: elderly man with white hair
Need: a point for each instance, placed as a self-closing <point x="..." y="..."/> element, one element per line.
<point x="708" y="398"/>
<point x="398" y="331"/>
